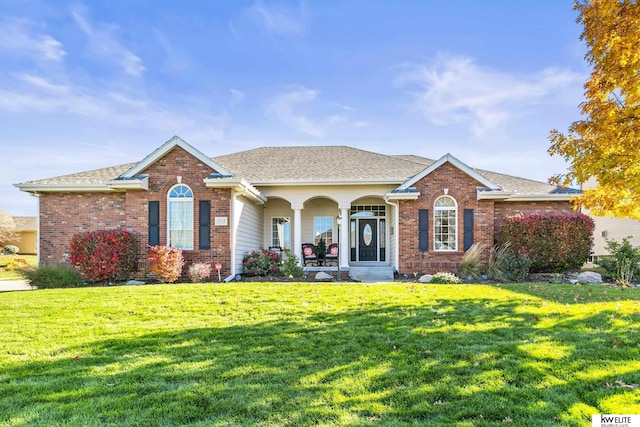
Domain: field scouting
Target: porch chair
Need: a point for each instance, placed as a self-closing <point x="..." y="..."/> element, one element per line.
<point x="309" y="253"/>
<point x="332" y="254"/>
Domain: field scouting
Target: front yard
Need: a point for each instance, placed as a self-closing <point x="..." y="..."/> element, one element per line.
<point x="291" y="354"/>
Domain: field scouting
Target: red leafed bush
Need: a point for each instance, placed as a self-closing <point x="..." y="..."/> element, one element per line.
<point x="104" y="254"/>
<point x="554" y="242"/>
<point x="165" y="262"/>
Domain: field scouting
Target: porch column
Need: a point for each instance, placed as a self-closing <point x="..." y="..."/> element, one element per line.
<point x="345" y="245"/>
<point x="297" y="232"/>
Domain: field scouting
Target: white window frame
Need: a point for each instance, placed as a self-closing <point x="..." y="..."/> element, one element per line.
<point x="180" y="199"/>
<point x="448" y="212"/>
<point x="280" y="241"/>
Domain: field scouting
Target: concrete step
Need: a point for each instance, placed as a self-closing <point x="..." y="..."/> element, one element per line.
<point x="371" y="274"/>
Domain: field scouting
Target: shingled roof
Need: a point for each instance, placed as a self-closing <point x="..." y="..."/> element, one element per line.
<point x="272" y="165"/>
<point x="312" y="164"/>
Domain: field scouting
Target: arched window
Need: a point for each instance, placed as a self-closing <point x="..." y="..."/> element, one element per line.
<point x="445" y="224"/>
<point x="180" y="217"/>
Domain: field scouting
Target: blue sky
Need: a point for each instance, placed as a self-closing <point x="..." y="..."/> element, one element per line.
<point x="92" y="84"/>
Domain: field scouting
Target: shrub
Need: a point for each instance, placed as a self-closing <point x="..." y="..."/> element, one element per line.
<point x="199" y="271"/>
<point x="17" y="264"/>
<point x="165" y="263"/>
<point x="104" y="254"/>
<point x="11" y="250"/>
<point x="289" y="266"/>
<point x="623" y="262"/>
<point x="507" y="264"/>
<point x="445" y="278"/>
<point x="57" y="276"/>
<point x="554" y="243"/>
<point x="471" y="264"/>
<point x="261" y="263"/>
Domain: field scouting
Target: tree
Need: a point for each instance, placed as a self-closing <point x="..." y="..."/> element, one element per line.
<point x="605" y="144"/>
<point x="7" y="229"/>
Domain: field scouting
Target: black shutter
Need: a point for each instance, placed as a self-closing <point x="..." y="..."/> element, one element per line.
<point x="423" y="229"/>
<point x="204" y="228"/>
<point x="154" y="223"/>
<point x="468" y="228"/>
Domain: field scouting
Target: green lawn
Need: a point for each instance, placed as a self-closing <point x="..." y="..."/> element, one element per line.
<point x="319" y="354"/>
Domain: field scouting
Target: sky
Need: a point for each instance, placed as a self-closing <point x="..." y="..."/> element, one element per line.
<point x="92" y="84"/>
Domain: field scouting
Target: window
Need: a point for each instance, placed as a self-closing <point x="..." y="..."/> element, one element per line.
<point x="281" y="232"/>
<point x="180" y="217"/>
<point x="445" y="219"/>
<point x="323" y="228"/>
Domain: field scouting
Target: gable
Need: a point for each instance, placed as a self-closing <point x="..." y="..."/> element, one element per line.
<point x="448" y="158"/>
<point x="165" y="148"/>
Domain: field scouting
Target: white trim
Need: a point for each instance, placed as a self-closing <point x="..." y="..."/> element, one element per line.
<point x="184" y="200"/>
<point x="448" y="158"/>
<point x="140" y="182"/>
<point x="503" y="196"/>
<point x="176" y="141"/>
<point x="319" y="182"/>
<point x="35" y="188"/>
<point x="414" y="195"/>
<point x="455" y="209"/>
<point x="236" y="184"/>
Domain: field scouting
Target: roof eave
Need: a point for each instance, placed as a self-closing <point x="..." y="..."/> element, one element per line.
<point x="238" y="185"/>
<point x="65" y="188"/>
<point x="294" y="183"/>
<point x="401" y="196"/>
<point x="565" y="197"/>
<point x="136" y="183"/>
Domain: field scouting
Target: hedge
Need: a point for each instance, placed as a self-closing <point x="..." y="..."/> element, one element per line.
<point x="554" y="242"/>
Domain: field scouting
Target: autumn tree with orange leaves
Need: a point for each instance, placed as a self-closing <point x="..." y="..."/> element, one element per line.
<point x="605" y="144"/>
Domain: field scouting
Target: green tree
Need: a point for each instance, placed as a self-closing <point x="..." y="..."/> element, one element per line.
<point x="605" y="143"/>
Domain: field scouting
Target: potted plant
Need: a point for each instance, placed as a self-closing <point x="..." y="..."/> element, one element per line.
<point x="321" y="248"/>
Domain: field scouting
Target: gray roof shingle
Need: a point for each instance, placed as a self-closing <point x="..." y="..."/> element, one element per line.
<point x="312" y="164"/>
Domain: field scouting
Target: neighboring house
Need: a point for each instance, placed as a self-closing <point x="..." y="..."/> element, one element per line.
<point x="405" y="213"/>
<point x="610" y="228"/>
<point x="26" y="234"/>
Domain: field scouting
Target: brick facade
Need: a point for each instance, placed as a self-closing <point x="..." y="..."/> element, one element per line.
<point x="64" y="214"/>
<point x="488" y="216"/>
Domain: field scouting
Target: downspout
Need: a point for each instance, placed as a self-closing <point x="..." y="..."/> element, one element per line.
<point x="234" y="226"/>
<point x="396" y="236"/>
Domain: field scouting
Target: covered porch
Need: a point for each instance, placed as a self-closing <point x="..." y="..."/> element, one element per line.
<point x="361" y="229"/>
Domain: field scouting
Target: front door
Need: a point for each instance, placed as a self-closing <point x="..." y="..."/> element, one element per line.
<point x="368" y="240"/>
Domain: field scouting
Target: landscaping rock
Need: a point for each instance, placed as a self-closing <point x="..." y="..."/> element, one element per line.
<point x="134" y="282"/>
<point x="426" y="278"/>
<point x="323" y="277"/>
<point x="589" y="277"/>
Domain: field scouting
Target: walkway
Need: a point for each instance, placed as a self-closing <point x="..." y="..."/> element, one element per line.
<point x="14" y="285"/>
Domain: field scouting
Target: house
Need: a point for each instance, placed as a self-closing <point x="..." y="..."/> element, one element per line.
<point x="24" y="233"/>
<point x="397" y="212"/>
<point x="610" y="228"/>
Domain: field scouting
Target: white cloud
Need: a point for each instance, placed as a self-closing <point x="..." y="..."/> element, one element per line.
<point x="104" y="43"/>
<point x="32" y="94"/>
<point x="19" y="37"/>
<point x="278" y="21"/>
<point x="285" y="107"/>
<point x="42" y="83"/>
<point x="455" y="90"/>
<point x="237" y="97"/>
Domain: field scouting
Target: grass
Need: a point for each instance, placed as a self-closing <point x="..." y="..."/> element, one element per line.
<point x="8" y="273"/>
<point x="319" y="354"/>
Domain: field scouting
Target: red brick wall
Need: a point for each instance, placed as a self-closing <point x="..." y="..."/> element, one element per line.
<point x="463" y="189"/>
<point x="488" y="216"/>
<point x="506" y="209"/>
<point x="64" y="214"/>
